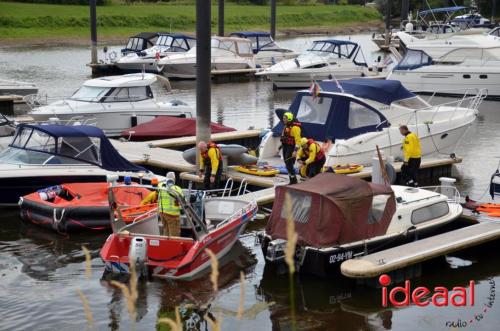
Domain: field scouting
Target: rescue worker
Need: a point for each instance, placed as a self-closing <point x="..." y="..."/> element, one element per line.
<point x="151" y="197"/>
<point x="290" y="143"/>
<point x="311" y="158"/>
<point x="168" y="205"/>
<point x="412" y="156"/>
<point x="210" y="164"/>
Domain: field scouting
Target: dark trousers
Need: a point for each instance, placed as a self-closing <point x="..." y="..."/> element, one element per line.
<point x="409" y="173"/>
<point x="315" y="168"/>
<point x="289" y="162"/>
<point x="208" y="172"/>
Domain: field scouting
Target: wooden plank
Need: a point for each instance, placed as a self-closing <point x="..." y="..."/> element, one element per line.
<point x="186" y="141"/>
<point x="373" y="265"/>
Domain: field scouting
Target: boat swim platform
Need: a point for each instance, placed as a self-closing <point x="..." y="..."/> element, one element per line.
<point x="376" y="264"/>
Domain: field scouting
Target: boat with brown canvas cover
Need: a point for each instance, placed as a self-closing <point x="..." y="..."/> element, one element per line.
<point x="339" y="217"/>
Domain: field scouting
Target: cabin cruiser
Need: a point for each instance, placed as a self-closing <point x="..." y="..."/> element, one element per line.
<point x="339" y="217"/>
<point x="463" y="69"/>
<point x="12" y="87"/>
<point x="116" y="103"/>
<point x="353" y="116"/>
<point x="212" y="223"/>
<point x="228" y="53"/>
<point x="166" y="44"/>
<point x="140" y="42"/>
<point x="40" y="156"/>
<point x="326" y="59"/>
<point x="266" y="50"/>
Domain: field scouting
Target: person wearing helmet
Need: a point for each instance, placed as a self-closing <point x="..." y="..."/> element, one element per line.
<point x="153" y="196"/>
<point x="290" y="143"/>
<point x="210" y="164"/>
<point x="311" y="158"/>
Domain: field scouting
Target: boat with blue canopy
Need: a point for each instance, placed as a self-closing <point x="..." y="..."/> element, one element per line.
<point x="353" y="116"/>
<point x="40" y="156"/>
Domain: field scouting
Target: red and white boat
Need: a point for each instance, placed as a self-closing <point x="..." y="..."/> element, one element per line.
<point x="76" y="206"/>
<point x="181" y="257"/>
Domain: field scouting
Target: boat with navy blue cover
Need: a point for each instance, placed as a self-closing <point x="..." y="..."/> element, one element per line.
<point x="326" y="59"/>
<point x="40" y="156"/>
<point x="266" y="50"/>
<point x="358" y="114"/>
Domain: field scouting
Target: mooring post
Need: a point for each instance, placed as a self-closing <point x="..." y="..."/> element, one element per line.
<point x="405" y="7"/>
<point x="221" y="18"/>
<point x="93" y="31"/>
<point x="388" y="22"/>
<point x="273" y="18"/>
<point x="203" y="67"/>
<point x="493" y="10"/>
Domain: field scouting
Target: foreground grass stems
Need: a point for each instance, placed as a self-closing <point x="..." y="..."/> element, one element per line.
<point x="174" y="325"/>
<point x="242" y="295"/>
<point x="214" y="276"/>
<point x="290" y="253"/>
<point x="86" y="307"/>
<point x="131" y="293"/>
<point x="88" y="262"/>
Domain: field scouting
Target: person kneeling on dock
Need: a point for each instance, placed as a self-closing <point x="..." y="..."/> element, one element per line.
<point x="210" y="164"/>
<point x="168" y="206"/>
<point x="290" y="142"/>
<point x="311" y="158"/>
<point x="412" y="156"/>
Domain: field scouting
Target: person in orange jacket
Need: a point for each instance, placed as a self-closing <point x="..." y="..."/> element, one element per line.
<point x="210" y="164"/>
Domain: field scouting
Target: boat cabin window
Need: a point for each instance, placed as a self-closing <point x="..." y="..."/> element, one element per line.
<point x="378" y="207"/>
<point x="495" y="32"/>
<point x="191" y="42"/>
<point x="429" y="213"/>
<point x="40" y="141"/>
<point x="414" y="59"/>
<point x="360" y="116"/>
<point x="164" y="41"/>
<point x="266" y="42"/>
<point x="22" y="137"/>
<point x="413" y="103"/>
<point x="82" y="148"/>
<point x="300" y="207"/>
<point x="90" y="93"/>
<point x="24" y="156"/>
<point x="137" y="93"/>
<point x="335" y="50"/>
<point x="314" y="110"/>
<point x="179" y="45"/>
<point x="135" y="43"/>
<point x="228" y="45"/>
<point x="244" y="48"/>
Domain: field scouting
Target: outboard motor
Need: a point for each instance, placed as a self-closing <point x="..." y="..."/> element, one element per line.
<point x="138" y="254"/>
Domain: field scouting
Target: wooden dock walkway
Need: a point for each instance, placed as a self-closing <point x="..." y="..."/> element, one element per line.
<point x="217" y="137"/>
<point x="376" y="264"/>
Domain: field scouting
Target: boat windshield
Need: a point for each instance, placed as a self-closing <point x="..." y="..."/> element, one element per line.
<point x="164" y="41"/>
<point x="412" y="103"/>
<point x="265" y="43"/>
<point x="32" y="146"/>
<point x="135" y="44"/>
<point x="340" y="51"/>
<point x="413" y="59"/>
<point x="90" y="93"/>
<point x="228" y="45"/>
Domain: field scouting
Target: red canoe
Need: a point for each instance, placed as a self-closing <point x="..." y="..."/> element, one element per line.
<point x="168" y="127"/>
<point x="76" y="206"/>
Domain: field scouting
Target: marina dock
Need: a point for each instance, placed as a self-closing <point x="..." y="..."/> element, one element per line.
<point x="376" y="264"/>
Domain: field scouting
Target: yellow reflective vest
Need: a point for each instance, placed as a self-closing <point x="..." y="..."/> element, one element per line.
<point x="411" y="147"/>
<point x="167" y="204"/>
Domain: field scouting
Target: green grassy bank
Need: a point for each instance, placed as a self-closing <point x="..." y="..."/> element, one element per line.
<point x="32" y="21"/>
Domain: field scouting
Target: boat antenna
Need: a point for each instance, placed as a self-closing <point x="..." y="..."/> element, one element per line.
<point x="143" y="71"/>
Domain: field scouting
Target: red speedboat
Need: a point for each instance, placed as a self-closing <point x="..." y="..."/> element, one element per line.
<point x="181" y="257"/>
<point x="168" y="127"/>
<point x="76" y="206"/>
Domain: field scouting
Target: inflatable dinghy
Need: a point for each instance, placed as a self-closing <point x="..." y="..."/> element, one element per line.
<point x="266" y="171"/>
<point x="236" y="155"/>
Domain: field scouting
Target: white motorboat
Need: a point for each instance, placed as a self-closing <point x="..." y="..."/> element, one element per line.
<point x="166" y="44"/>
<point x="116" y="103"/>
<point x="266" y="51"/>
<point x="326" y="59"/>
<point x="228" y="53"/>
<point x="339" y="217"/>
<point x="359" y="114"/>
<point x="40" y="156"/>
<point x="12" y="87"/>
<point x="463" y="69"/>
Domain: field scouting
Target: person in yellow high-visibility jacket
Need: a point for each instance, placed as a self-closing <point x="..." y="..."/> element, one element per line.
<point x="210" y="164"/>
<point x="290" y="144"/>
<point x="412" y="155"/>
<point x="311" y="157"/>
<point x="168" y="205"/>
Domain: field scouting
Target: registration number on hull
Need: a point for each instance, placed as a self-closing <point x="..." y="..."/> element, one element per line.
<point x="341" y="256"/>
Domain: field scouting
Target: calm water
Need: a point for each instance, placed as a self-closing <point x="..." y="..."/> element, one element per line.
<point x="40" y="272"/>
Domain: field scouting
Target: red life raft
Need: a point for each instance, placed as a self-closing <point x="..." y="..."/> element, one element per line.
<point x="76" y="206"/>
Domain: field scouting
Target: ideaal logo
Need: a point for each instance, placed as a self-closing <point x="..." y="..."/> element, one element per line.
<point x="440" y="297"/>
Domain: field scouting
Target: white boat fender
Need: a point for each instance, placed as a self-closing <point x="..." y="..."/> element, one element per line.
<point x="236" y="155"/>
<point x="138" y="251"/>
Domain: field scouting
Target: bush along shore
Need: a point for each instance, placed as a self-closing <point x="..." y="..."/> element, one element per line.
<point x="70" y="23"/>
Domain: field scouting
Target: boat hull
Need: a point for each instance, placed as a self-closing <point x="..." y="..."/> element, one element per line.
<point x="188" y="70"/>
<point x="304" y="79"/>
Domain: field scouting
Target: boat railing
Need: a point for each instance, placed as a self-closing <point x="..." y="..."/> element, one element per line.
<point x="451" y="192"/>
<point x="250" y="208"/>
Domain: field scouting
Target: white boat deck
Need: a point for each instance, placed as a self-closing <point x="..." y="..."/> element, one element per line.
<point x="373" y="265"/>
